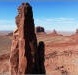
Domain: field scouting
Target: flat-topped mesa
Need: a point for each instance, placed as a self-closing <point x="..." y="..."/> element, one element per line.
<point x="39" y="29"/>
<point x="24" y="43"/>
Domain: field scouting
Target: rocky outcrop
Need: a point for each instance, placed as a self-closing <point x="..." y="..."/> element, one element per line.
<point x="39" y="29"/>
<point x="24" y="45"/>
<point x="40" y="60"/>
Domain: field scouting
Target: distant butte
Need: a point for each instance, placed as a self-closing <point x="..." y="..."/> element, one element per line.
<point x="54" y="33"/>
<point x="39" y="29"/>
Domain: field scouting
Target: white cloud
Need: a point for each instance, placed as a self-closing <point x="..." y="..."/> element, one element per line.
<point x="64" y="24"/>
<point x="7" y="25"/>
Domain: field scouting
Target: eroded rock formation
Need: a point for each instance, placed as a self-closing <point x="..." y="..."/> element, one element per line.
<point x="24" y="42"/>
<point x="40" y="60"/>
<point x="55" y="33"/>
<point x="24" y="45"/>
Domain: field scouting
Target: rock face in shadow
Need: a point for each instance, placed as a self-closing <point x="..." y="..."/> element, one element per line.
<point x="39" y="64"/>
<point x="39" y="29"/>
<point x="24" y="45"/>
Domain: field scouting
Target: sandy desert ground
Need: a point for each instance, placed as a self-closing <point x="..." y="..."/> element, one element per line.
<point x="61" y="54"/>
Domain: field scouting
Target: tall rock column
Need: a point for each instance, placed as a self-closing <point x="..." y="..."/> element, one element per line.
<point x="27" y="39"/>
<point x="24" y="42"/>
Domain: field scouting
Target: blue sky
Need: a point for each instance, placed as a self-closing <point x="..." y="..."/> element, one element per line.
<point x="59" y="15"/>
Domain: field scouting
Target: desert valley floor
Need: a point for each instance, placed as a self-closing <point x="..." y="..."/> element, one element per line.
<point x="61" y="53"/>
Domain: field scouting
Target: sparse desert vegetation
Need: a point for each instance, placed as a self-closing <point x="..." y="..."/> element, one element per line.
<point x="5" y="44"/>
<point x="61" y="54"/>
